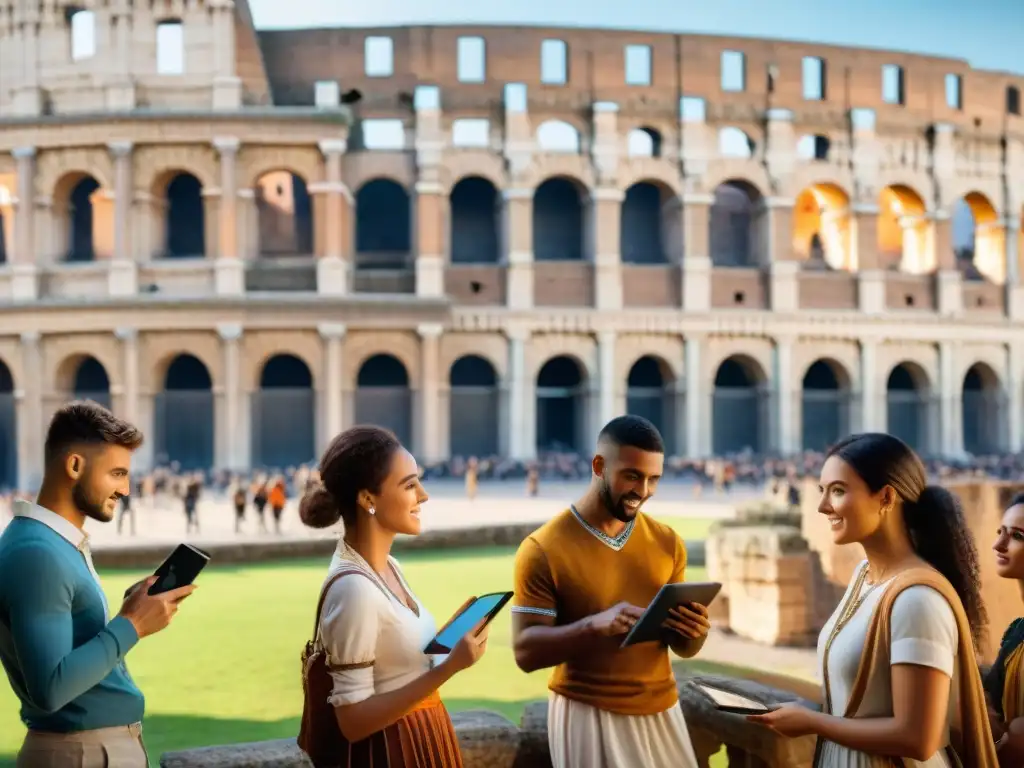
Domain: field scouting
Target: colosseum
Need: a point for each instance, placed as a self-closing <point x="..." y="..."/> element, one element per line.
<point x="492" y="239"/>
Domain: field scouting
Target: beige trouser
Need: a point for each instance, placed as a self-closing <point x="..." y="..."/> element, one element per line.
<point x="119" y="747"/>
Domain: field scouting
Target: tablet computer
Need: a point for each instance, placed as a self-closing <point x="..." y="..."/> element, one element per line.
<point x="180" y="569"/>
<point x="483" y="608"/>
<point x="726" y="701"/>
<point x="648" y="626"/>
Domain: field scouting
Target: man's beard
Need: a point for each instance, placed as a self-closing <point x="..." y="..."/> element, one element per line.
<point x="617" y="509"/>
<point x="89" y="508"/>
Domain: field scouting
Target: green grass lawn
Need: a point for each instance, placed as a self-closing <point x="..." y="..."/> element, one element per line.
<point x="227" y="670"/>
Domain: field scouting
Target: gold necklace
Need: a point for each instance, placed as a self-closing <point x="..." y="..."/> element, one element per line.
<point x="850" y="608"/>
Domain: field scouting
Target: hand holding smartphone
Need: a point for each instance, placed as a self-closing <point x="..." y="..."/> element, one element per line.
<point x="180" y="569"/>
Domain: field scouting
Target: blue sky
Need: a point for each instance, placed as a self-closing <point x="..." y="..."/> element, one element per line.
<point x="988" y="33"/>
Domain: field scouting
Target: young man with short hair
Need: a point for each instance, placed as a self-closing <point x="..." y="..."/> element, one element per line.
<point x="581" y="582"/>
<point x="62" y="651"/>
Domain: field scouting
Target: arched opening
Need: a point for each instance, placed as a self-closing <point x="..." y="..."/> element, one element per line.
<point x="475" y="212"/>
<point x="285" y="214"/>
<point x="740" y="408"/>
<point x="979" y="240"/>
<point x="383" y="225"/>
<point x="474" y="407"/>
<point x="91" y="382"/>
<point x="643" y="142"/>
<point x="982" y="411"/>
<point x="185" y="418"/>
<point x="186" y="218"/>
<point x="826" y="405"/>
<point x="822" y="235"/>
<point x="558" y="221"/>
<point x="558" y="136"/>
<point x="644" y="226"/>
<point x="737" y="224"/>
<point x="561" y="406"/>
<point x="907" y="406"/>
<point x="82" y="220"/>
<point x="383" y="396"/>
<point x="650" y="392"/>
<point x="811" y="147"/>
<point x="903" y="231"/>
<point x="284" y="415"/>
<point x="8" y="431"/>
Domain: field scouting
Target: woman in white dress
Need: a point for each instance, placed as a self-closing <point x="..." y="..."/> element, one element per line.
<point x="375" y="695"/>
<point x="913" y="612"/>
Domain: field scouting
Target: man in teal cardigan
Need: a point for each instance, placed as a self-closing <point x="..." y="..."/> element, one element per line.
<point x="63" y="653"/>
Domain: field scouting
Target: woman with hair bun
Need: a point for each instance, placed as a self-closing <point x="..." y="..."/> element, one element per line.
<point x="371" y="692"/>
<point x="901" y="682"/>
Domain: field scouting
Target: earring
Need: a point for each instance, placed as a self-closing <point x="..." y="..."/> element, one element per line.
<point x="372" y="511"/>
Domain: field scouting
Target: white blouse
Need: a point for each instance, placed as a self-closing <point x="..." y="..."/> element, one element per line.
<point x="923" y="632"/>
<point x="374" y="642"/>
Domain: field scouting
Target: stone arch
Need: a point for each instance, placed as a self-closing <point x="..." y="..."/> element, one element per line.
<point x="83" y="217"/>
<point x="86" y="378"/>
<point x="475" y="221"/>
<point x="185" y="415"/>
<point x="740" y="408"/>
<point x="979" y="240"/>
<point x="651" y="393"/>
<point x="474" y="407"/>
<point x="284" y="212"/>
<point x="562" y="407"/>
<point x="183" y="223"/>
<point x="903" y="230"/>
<point x="983" y="411"/>
<point x="383" y="395"/>
<point x="8" y="430"/>
<point x="558" y="216"/>
<point x="284" y="414"/>
<point x="826" y="404"/>
<point x="644" y="142"/>
<point x="647" y="223"/>
<point x="822" y="228"/>
<point x="383" y="224"/>
<point x="735" y="143"/>
<point x="737" y="225"/>
<point x="908" y="405"/>
<point x="557" y="136"/>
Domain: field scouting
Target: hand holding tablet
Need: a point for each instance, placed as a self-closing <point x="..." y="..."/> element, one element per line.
<point x="674" y="608"/>
<point x="474" y="615"/>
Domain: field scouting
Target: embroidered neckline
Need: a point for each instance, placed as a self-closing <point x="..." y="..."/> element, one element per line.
<point x="615" y="542"/>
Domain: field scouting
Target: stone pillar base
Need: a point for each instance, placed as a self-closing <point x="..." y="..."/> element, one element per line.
<point x="871" y="291"/>
<point x="120" y="97"/>
<point x="227" y="93"/>
<point x="696" y="291"/>
<point x="122" y="278"/>
<point x="784" y="286"/>
<point x="949" y="288"/>
<point x="430" y="277"/>
<point x="229" y="277"/>
<point x="519" y="281"/>
<point x="332" y="276"/>
<point x="24" y="282"/>
<point x="608" y="282"/>
<point x="27" y="102"/>
<point x="1015" y="302"/>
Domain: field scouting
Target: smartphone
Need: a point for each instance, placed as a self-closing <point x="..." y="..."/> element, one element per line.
<point x="180" y="569"/>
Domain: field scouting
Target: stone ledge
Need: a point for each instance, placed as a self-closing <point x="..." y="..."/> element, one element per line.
<point x="489" y="740"/>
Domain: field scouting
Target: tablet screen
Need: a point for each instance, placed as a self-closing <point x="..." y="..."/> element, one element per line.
<point x="469" y="618"/>
<point x="726" y="699"/>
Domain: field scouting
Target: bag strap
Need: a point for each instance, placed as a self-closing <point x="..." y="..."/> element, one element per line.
<point x="345" y="570"/>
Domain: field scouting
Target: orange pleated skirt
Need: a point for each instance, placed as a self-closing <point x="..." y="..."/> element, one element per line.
<point x="424" y="738"/>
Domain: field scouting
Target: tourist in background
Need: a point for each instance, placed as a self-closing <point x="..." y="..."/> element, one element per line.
<point x="371" y="627"/>
<point x="277" y="499"/>
<point x="581" y="582"/>
<point x="898" y="653"/>
<point x="1004" y="683"/>
<point x="63" y="653"/>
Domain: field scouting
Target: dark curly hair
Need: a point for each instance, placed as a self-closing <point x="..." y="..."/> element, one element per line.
<point x="359" y="459"/>
<point x="934" y="519"/>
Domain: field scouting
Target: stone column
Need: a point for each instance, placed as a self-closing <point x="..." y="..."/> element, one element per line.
<point x="787" y="430"/>
<point x="229" y="268"/>
<point x="429" y="229"/>
<point x="519" y="430"/>
<point x="870" y="276"/>
<point x="949" y="286"/>
<point x="698" y="410"/>
<point x="696" y="271"/>
<point x="607" y="392"/>
<point x="332" y="268"/>
<point x="120" y="90"/>
<point x="517" y="234"/>
<point x="24" y="272"/>
<point x="430" y="440"/>
<point x="950" y="432"/>
<point x="129" y="405"/>
<point x="1014" y="287"/>
<point x="232" y="452"/>
<point x="28" y="96"/>
<point x="122" y="279"/>
<point x="1015" y="409"/>
<point x="332" y="397"/>
<point x="783" y="268"/>
<point x="227" y="86"/>
<point x="870" y="417"/>
<point x="606" y="215"/>
<point x="31" y="429"/>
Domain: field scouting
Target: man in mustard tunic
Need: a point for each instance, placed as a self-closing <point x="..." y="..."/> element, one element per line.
<point x="581" y="582"/>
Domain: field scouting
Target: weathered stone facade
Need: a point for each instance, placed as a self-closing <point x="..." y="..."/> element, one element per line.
<point x="679" y="225"/>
